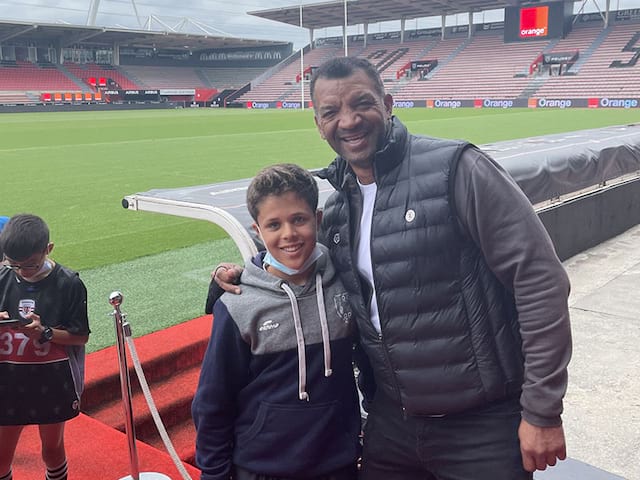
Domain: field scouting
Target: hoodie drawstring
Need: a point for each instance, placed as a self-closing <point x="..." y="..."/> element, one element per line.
<point x="326" y="346"/>
<point x="302" y="364"/>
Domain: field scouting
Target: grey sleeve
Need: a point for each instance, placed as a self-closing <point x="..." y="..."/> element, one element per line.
<point x="503" y="224"/>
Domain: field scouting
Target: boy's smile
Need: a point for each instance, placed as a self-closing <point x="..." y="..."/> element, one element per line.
<point x="287" y="226"/>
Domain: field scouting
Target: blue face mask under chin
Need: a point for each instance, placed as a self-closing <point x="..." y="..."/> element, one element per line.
<point x="46" y="267"/>
<point x="271" y="261"/>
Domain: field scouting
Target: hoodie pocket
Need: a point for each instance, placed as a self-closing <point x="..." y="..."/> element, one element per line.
<point x="301" y="437"/>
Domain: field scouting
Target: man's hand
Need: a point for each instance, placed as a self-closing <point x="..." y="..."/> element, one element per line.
<point x="541" y="446"/>
<point x="227" y="276"/>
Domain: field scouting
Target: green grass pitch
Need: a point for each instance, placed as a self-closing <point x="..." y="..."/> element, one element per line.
<point x="74" y="168"/>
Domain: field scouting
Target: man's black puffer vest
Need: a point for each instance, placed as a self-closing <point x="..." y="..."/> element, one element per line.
<point x="450" y="339"/>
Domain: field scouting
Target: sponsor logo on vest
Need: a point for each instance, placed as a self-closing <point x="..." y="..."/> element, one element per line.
<point x="336" y="238"/>
<point x="268" y="325"/>
<point x="410" y="215"/>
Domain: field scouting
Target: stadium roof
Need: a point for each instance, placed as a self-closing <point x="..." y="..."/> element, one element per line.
<point x="331" y="14"/>
<point x="68" y="35"/>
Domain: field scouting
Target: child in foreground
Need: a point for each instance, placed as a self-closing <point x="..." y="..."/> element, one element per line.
<point x="276" y="397"/>
<point x="42" y="351"/>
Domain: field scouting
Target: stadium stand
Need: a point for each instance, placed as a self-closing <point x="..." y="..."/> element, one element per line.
<point x="86" y="71"/>
<point x="469" y="75"/>
<point x="472" y="73"/>
<point x="17" y="98"/>
<point x="26" y="76"/>
<point x="468" y="68"/>
<point x="487" y="67"/>
<point x="223" y="78"/>
<point x="383" y="55"/>
<point x="598" y="76"/>
<point x="280" y="83"/>
<point x="415" y="51"/>
<point x="166" y="77"/>
<point x="188" y="77"/>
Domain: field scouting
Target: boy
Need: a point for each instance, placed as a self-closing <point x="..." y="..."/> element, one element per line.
<point x="276" y="397"/>
<point x="42" y="351"/>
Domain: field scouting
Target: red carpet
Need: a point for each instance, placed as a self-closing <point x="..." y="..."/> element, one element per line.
<point x="95" y="451"/>
<point x="96" y="446"/>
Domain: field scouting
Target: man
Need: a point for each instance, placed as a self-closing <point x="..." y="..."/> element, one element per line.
<point x="464" y="300"/>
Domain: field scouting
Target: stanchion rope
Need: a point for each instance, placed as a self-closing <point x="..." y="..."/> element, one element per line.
<point x="154" y="410"/>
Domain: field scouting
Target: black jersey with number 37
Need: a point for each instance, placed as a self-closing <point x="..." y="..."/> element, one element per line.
<point x="41" y="383"/>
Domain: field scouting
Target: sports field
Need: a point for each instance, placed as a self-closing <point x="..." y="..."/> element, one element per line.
<point x="74" y="168"/>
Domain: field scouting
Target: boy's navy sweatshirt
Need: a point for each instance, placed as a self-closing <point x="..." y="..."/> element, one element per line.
<point x="276" y="394"/>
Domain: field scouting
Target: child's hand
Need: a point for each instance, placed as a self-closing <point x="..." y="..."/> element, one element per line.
<point x="33" y="329"/>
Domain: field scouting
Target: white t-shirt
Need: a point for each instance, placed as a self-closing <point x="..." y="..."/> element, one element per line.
<point x="364" y="246"/>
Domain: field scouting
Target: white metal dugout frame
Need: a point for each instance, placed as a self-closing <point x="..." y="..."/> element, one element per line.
<point x="218" y="216"/>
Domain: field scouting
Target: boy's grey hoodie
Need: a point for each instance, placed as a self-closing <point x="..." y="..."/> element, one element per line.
<point x="276" y="393"/>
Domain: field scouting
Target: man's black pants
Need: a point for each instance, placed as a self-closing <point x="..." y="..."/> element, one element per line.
<point x="475" y="445"/>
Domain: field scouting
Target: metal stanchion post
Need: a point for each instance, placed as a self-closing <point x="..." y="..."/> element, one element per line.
<point x="123" y="329"/>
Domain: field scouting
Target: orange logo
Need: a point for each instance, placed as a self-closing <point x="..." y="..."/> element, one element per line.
<point x="534" y="22"/>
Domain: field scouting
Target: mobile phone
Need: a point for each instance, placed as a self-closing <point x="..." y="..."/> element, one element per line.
<point x="7" y="322"/>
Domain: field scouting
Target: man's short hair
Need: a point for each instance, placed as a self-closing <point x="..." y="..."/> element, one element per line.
<point x="343" y="67"/>
<point x="280" y="179"/>
<point x="23" y="235"/>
